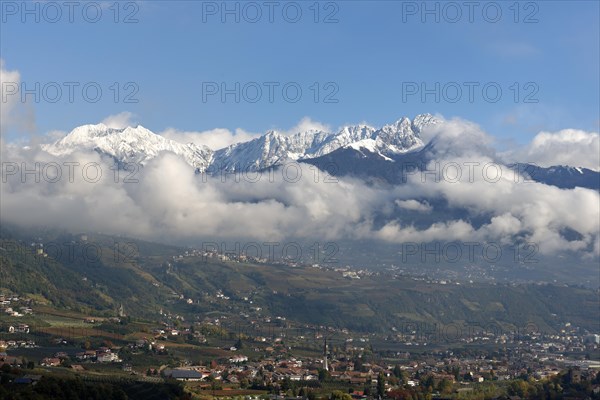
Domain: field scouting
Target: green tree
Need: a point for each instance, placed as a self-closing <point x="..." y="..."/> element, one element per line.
<point x="323" y="375"/>
<point x="518" y="388"/>
<point x="445" y="386"/>
<point x="239" y="344"/>
<point x="339" y="395"/>
<point x="286" y="384"/>
<point x="358" y="364"/>
<point x="381" y="385"/>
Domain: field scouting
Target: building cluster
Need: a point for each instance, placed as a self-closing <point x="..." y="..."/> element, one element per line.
<point x="13" y="344"/>
<point x="462" y="372"/>
<point x="15" y="306"/>
<point x="100" y="355"/>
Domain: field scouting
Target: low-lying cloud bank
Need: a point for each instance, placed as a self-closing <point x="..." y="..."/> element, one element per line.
<point x="571" y="147"/>
<point x="166" y="200"/>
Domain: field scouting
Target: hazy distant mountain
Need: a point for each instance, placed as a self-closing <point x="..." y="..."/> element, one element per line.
<point x="363" y="162"/>
<point x="562" y="176"/>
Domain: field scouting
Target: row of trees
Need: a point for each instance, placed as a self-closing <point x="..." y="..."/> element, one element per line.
<point x="56" y="388"/>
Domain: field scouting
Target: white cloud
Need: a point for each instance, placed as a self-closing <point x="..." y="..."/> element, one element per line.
<point x="169" y="200"/>
<point x="214" y="138"/>
<point x="219" y="138"/>
<point x="459" y="138"/>
<point x="120" y="120"/>
<point x="439" y="231"/>
<point x="573" y="147"/>
<point x="55" y="135"/>
<point x="530" y="211"/>
<point x="14" y="113"/>
<point x="307" y="124"/>
<point x="414" y="205"/>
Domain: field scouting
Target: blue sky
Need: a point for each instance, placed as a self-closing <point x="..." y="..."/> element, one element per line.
<point x="370" y="57"/>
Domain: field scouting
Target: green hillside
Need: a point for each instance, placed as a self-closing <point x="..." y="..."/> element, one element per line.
<point x="146" y="278"/>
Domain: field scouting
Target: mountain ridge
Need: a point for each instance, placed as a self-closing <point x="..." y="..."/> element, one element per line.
<point x="128" y="145"/>
<point x="140" y="145"/>
<point x="357" y="150"/>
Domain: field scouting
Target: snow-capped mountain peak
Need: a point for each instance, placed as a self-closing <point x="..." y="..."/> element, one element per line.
<point x="139" y="145"/>
<point x="128" y="145"/>
<point x="423" y="120"/>
<point x="400" y="137"/>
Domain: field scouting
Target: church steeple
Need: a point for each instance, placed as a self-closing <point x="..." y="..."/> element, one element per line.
<point x="325" y="365"/>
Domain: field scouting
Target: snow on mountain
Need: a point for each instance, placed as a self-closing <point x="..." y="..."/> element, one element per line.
<point x="562" y="176"/>
<point x="139" y="145"/>
<point x="275" y="148"/>
<point x="271" y="149"/>
<point x="128" y="145"/>
<point x="361" y="150"/>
